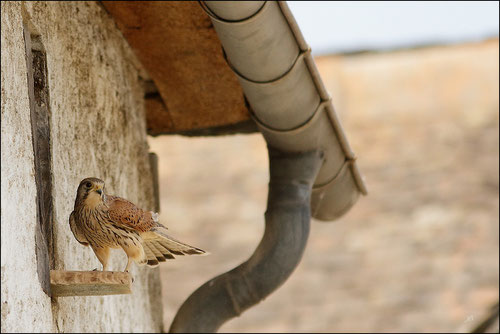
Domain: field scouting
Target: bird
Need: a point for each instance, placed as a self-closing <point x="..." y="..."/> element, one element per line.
<point x="104" y="221"/>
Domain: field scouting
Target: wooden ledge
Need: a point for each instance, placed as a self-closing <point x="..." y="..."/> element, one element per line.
<point x="89" y="283"/>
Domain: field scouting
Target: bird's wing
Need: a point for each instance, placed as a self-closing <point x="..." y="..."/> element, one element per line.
<point x="126" y="214"/>
<point x="79" y="236"/>
<point x="158" y="245"/>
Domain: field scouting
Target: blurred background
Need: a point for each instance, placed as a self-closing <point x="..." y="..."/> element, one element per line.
<point x="416" y="87"/>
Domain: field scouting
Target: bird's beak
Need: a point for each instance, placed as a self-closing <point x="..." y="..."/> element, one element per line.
<point x="99" y="191"/>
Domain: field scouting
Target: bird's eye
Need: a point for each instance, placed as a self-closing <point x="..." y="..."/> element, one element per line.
<point x="88" y="184"/>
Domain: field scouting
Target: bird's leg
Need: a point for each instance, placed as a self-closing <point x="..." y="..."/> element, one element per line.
<point x="129" y="263"/>
<point x="127" y="268"/>
<point x="103" y="256"/>
<point x="133" y="253"/>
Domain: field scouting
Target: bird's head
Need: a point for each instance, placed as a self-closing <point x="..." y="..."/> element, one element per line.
<point x="90" y="192"/>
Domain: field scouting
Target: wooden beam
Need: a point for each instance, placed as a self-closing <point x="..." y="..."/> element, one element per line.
<point x="177" y="44"/>
<point x="89" y="283"/>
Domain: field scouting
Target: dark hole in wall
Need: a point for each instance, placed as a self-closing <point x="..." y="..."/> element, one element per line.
<point x="38" y="91"/>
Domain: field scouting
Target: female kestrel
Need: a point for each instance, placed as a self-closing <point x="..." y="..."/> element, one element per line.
<point x="104" y="221"/>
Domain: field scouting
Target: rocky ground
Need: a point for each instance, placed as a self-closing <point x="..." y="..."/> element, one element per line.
<point x="420" y="253"/>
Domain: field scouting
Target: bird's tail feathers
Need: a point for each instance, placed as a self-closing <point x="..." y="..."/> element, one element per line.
<point x="159" y="246"/>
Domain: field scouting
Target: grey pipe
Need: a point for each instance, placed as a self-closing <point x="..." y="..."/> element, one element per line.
<point x="264" y="47"/>
<point x="288" y="101"/>
<point x="287" y="228"/>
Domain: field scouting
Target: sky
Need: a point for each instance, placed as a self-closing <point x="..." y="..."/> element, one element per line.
<point x="347" y="26"/>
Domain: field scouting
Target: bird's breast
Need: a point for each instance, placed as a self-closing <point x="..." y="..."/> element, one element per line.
<point x="102" y="232"/>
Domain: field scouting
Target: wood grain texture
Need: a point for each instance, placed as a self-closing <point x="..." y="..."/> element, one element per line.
<point x="39" y="115"/>
<point x="178" y="46"/>
<point x="89" y="283"/>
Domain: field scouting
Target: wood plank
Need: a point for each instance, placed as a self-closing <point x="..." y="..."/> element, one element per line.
<point x="179" y="48"/>
<point x="39" y="117"/>
<point x="89" y="283"/>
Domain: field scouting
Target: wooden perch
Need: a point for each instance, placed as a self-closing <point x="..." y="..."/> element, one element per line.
<point x="89" y="283"/>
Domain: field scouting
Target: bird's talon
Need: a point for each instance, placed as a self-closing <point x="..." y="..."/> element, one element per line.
<point x="95" y="269"/>
<point x="131" y="277"/>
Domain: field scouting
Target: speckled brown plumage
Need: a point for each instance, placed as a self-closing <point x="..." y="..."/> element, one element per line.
<point x="104" y="221"/>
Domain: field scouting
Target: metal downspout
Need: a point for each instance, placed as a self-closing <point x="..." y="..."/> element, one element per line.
<point x="280" y="250"/>
<point x="313" y="171"/>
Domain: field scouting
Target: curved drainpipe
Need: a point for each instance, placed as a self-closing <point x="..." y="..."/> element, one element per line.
<point x="313" y="171"/>
<point x="287" y="228"/>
